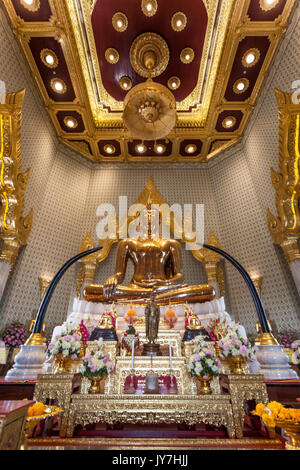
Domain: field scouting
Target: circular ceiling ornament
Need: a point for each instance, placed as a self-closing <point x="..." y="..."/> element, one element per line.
<point x="187" y="55"/>
<point x="228" y="122"/>
<point x="120" y="22"/>
<point x="109" y="149"/>
<point x="267" y="5"/>
<point x="241" y="85"/>
<point x="31" y="5"/>
<point x="149" y="7"/>
<point x="149" y="111"/>
<point x="251" y="57"/>
<point x="149" y="55"/>
<point x="49" y="58"/>
<point x="112" y="55"/>
<point x="58" y="85"/>
<point x="70" y="122"/>
<point x="125" y="83"/>
<point x="174" y="83"/>
<point x="178" y="21"/>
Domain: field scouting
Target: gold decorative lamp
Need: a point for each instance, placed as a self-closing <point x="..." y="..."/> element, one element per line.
<point x="44" y="281"/>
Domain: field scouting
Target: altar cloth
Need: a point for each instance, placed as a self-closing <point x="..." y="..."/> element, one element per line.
<point x="164" y="382"/>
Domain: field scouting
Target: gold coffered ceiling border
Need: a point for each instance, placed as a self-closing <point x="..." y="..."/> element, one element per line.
<point x="195" y="121"/>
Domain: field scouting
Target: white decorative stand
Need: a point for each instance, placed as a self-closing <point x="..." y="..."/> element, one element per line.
<point x="274" y="363"/>
<point x="29" y="362"/>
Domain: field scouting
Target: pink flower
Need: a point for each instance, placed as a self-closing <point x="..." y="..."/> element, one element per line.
<point x="243" y="350"/>
<point x="50" y="346"/>
<point x="76" y="337"/>
<point x="93" y="367"/>
<point x="73" y="357"/>
<point x="197" y="357"/>
<point x="205" y="377"/>
<point x="208" y="352"/>
<point x="88" y="358"/>
<point x="233" y="341"/>
<point x="225" y="346"/>
<point x="105" y="359"/>
<point x="67" y="338"/>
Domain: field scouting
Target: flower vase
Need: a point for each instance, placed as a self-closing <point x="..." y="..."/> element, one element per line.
<point x="97" y="384"/>
<point x="236" y="365"/>
<point x="204" y="386"/>
<point x="292" y="430"/>
<point x="62" y="364"/>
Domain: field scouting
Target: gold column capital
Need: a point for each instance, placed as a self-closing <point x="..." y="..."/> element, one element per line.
<point x="290" y="248"/>
<point x="9" y="251"/>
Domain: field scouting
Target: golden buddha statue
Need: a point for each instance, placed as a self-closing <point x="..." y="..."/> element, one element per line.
<point x="157" y="269"/>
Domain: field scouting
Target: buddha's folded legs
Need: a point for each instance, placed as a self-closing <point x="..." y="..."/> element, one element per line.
<point x="134" y="294"/>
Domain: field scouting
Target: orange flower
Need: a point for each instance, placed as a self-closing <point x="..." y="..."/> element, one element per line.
<point x="36" y="410"/>
<point x="268" y="420"/>
<point x="259" y="410"/>
<point x="275" y="408"/>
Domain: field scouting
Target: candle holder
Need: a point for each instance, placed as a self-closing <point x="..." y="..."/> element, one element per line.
<point x="131" y="388"/>
<point x="172" y="389"/>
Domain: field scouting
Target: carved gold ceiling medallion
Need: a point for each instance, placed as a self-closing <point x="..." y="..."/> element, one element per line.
<point x="120" y="22"/>
<point x="228" y="122"/>
<point x="109" y="149"/>
<point x="174" y="83"/>
<point x="70" y="122"/>
<point x="251" y="57"/>
<point x="149" y="111"/>
<point x="58" y="85"/>
<point x="49" y="58"/>
<point x="267" y="5"/>
<point x="112" y="55"/>
<point x="178" y="21"/>
<point x="125" y="83"/>
<point x="149" y="7"/>
<point x="31" y="5"/>
<point x="187" y="55"/>
<point x="149" y="55"/>
<point x="241" y="85"/>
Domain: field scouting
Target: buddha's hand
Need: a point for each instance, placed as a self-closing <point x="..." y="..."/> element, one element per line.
<point x="109" y="286"/>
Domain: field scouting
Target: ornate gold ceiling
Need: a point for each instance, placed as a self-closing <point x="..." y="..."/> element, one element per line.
<point x="214" y="56"/>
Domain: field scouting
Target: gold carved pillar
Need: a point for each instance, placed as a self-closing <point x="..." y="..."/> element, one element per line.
<point x="211" y="262"/>
<point x="285" y="227"/>
<point x="88" y="265"/>
<point x="14" y="228"/>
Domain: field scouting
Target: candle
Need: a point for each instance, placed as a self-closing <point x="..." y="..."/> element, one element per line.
<point x="170" y="353"/>
<point x="132" y="354"/>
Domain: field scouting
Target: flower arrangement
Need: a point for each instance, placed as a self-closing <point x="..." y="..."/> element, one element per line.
<point x="67" y="343"/>
<point x="84" y="333"/>
<point x="296" y="352"/>
<point x="130" y="335"/>
<point x="276" y="411"/>
<point x="233" y="344"/>
<point x="14" y="335"/>
<point x="96" y="364"/>
<point x="202" y="362"/>
<point x="286" y="339"/>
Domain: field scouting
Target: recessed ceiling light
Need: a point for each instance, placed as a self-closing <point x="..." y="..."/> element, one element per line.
<point x="241" y="85"/>
<point x="58" y="85"/>
<point x="149" y="7"/>
<point x="187" y="55"/>
<point x="49" y="58"/>
<point x="125" y="83"/>
<point x="140" y="148"/>
<point x="159" y="148"/>
<point x="174" y="83"/>
<point x="120" y="22"/>
<point x="112" y="55"/>
<point x="31" y="5"/>
<point x="267" y="5"/>
<point x="109" y="148"/>
<point x="178" y="21"/>
<point x="191" y="148"/>
<point x="229" y="122"/>
<point x="251" y="57"/>
<point x="70" y="122"/>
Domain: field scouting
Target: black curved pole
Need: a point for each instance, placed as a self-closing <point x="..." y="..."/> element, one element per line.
<point x="49" y="292"/>
<point x="255" y="296"/>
